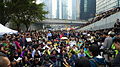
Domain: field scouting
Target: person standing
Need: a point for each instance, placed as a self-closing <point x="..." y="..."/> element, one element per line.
<point x="116" y="61"/>
<point x="117" y="26"/>
<point x="107" y="45"/>
<point x="49" y="35"/>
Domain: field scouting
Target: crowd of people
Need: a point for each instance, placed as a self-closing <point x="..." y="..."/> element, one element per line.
<point x="60" y="49"/>
<point x="103" y="15"/>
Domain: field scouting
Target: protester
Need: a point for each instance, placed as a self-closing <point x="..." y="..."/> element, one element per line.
<point x="4" y="61"/>
<point x="117" y="26"/>
<point x="102" y="15"/>
<point x="116" y="61"/>
<point x="50" y="49"/>
<point x="107" y="45"/>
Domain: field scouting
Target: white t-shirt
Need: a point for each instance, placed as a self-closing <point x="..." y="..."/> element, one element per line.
<point x="72" y="43"/>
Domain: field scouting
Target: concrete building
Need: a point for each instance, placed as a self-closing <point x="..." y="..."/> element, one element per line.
<point x="104" y="5"/>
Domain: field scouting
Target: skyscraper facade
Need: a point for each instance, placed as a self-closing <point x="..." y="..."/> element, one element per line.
<point x="58" y="10"/>
<point x="64" y="9"/>
<point x="74" y="9"/>
<point x="70" y="9"/>
<point x="54" y="8"/>
<point x="77" y="9"/>
<point x="104" y="5"/>
<point x="48" y="7"/>
<point x="87" y="9"/>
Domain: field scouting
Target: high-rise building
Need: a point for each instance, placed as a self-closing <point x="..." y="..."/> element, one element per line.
<point x="69" y="8"/>
<point x="74" y="9"/>
<point x="77" y="9"/>
<point x="87" y="9"/>
<point x="64" y="9"/>
<point x="58" y="10"/>
<point x="104" y="5"/>
<point x="54" y="8"/>
<point x="48" y="7"/>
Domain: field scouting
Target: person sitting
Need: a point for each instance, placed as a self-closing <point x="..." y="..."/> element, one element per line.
<point x="79" y="62"/>
<point x="96" y="60"/>
<point x="4" y="61"/>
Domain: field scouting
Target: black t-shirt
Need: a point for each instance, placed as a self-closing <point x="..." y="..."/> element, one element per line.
<point x="117" y="24"/>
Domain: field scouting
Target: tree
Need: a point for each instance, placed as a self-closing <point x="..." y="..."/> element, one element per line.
<point x="24" y="12"/>
<point x="34" y="13"/>
<point x="28" y="12"/>
<point x="4" y="12"/>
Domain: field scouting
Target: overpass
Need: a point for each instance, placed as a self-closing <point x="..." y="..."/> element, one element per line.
<point x="57" y="21"/>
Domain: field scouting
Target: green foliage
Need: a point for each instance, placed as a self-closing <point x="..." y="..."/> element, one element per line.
<point x="22" y="12"/>
<point x="4" y="13"/>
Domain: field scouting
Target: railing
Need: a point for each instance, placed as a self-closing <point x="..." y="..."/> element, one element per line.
<point x="105" y="23"/>
<point x="103" y="15"/>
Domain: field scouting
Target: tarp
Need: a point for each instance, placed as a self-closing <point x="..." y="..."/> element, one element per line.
<point x="6" y="30"/>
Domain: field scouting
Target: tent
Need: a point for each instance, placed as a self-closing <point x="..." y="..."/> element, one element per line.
<point x="6" y="30"/>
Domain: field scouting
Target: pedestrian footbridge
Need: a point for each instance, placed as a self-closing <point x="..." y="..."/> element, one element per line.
<point x="103" y="23"/>
<point x="57" y="21"/>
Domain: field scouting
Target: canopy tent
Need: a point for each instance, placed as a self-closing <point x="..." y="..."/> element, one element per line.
<point x="6" y="30"/>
